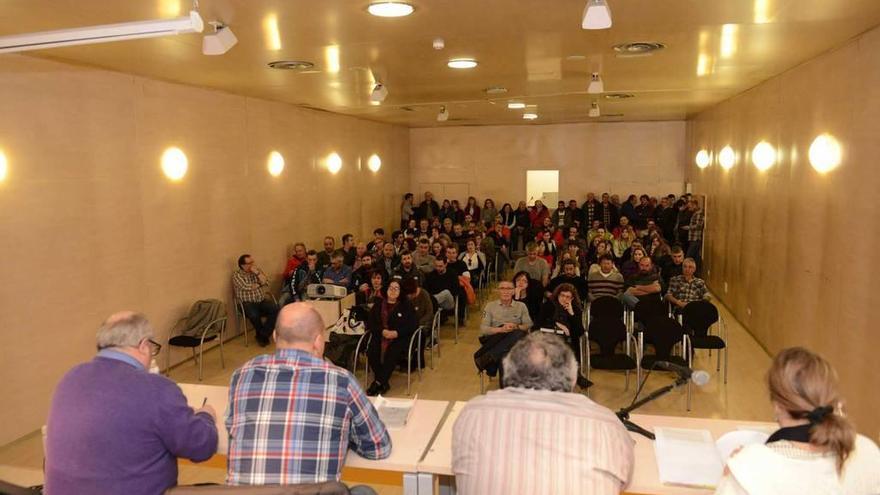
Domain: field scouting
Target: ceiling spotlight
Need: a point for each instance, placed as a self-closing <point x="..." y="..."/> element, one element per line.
<point x="530" y="116"/>
<point x="379" y="93"/>
<point x="516" y="105"/>
<point x="462" y="63"/>
<point x="597" y="15"/>
<point x="594" y="110"/>
<point x="438" y="44"/>
<point x="390" y="9"/>
<point x="220" y="41"/>
<point x="102" y="34"/>
<point x="443" y="116"/>
<point x="596" y="86"/>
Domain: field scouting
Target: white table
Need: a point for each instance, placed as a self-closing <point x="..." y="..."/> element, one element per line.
<point x="408" y="444"/>
<point x="435" y="469"/>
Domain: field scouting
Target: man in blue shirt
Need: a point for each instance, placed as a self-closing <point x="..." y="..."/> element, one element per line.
<point x="337" y="273"/>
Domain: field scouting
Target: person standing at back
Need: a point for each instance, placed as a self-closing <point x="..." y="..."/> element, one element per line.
<point x="114" y="428"/>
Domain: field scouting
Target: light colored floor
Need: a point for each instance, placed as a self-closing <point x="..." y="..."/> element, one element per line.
<point x="454" y="378"/>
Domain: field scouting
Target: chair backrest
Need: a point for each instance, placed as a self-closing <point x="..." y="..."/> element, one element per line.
<point x="664" y="332"/>
<point x="649" y="308"/>
<point x="200" y="314"/>
<point x="327" y="488"/>
<point x="607" y="332"/>
<point x="698" y="316"/>
<point x="606" y="307"/>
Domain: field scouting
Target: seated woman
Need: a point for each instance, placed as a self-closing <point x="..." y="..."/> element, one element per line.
<point x="529" y="292"/>
<point x="816" y="450"/>
<point x="392" y="322"/>
<point x="474" y="261"/>
<point x="631" y="266"/>
<point x="373" y="291"/>
<point x="562" y="311"/>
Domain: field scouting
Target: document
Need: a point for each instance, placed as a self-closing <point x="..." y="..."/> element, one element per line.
<point x="395" y="413"/>
<point x="692" y="458"/>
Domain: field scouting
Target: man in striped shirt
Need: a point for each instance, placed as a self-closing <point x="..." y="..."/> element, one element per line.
<point x="292" y="416"/>
<point x="534" y="436"/>
<point x="604" y="280"/>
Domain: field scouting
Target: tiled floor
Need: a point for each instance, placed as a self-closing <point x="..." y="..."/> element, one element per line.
<point x="454" y="378"/>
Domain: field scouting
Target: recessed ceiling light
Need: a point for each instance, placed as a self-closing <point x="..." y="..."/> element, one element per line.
<point x="390" y="9"/>
<point x="291" y="65"/>
<point x="496" y="90"/>
<point x="515" y="105"/>
<point x="619" y="96"/>
<point x="638" y="48"/>
<point x="462" y="63"/>
<point x="530" y="116"/>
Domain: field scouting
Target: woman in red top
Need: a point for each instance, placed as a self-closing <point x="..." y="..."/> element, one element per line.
<point x="537" y="214"/>
<point x="391" y="323"/>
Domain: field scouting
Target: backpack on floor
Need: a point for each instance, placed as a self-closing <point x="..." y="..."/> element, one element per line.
<point x="344" y="336"/>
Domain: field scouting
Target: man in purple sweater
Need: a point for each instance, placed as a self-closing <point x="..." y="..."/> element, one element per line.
<point x="114" y="428"/>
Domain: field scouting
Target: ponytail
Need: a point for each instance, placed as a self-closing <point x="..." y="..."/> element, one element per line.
<point x="834" y="433"/>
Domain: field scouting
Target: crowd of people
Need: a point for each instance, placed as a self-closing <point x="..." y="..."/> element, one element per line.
<point x="293" y="415"/>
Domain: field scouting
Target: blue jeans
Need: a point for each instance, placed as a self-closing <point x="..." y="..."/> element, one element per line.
<point x="629" y="300"/>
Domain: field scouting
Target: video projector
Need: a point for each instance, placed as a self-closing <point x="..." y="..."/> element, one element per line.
<point x="325" y="291"/>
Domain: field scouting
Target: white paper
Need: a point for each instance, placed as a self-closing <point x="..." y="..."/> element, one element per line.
<point x="395" y="413"/>
<point x="687" y="457"/>
<point x="733" y="440"/>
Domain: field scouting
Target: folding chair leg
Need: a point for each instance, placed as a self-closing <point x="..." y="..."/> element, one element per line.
<point x="200" y="361"/>
<point x="482" y="386"/>
<point x="419" y="356"/>
<point x="718" y="364"/>
<point x="222" y="361"/>
<point x="725" y="365"/>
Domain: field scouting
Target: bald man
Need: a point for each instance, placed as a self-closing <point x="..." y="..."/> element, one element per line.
<point x="292" y="416"/>
<point x="114" y="428"/>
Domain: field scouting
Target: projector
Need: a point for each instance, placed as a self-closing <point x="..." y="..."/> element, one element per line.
<point x="220" y="42"/>
<point x="326" y="291"/>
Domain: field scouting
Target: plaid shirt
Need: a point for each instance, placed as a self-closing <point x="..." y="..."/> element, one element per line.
<point x="685" y="291"/>
<point x="695" y="230"/>
<point x="243" y="284"/>
<point x="292" y="418"/>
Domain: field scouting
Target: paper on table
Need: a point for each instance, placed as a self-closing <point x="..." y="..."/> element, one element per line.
<point x="394" y="412"/>
<point x="735" y="439"/>
<point x="687" y="457"/>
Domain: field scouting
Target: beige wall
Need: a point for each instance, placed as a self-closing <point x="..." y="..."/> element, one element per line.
<point x="797" y="248"/>
<point x="624" y="158"/>
<point x="90" y="225"/>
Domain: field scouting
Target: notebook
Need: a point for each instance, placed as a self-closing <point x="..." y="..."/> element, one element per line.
<point x="692" y="458"/>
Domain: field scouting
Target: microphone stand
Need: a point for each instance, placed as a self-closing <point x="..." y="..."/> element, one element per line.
<point x="623" y="413"/>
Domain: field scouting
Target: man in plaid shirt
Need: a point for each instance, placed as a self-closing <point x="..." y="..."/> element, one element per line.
<point x="686" y="288"/>
<point x="695" y="230"/>
<point x="293" y="416"/>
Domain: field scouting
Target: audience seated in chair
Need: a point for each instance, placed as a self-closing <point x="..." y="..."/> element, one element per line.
<point x="496" y="434"/>
<point x="329" y="411"/>
<point x="422" y="258"/>
<point x="306" y="274"/>
<point x="686" y="288"/>
<point x="325" y="256"/>
<point x="391" y="323"/>
<point x="250" y="285"/>
<point x="604" y="279"/>
<point x="529" y="292"/>
<point x="504" y="322"/>
<point x="644" y="283"/>
<point x="536" y="267"/>
<point x="115" y="428"/>
<point x="338" y="273"/>
<point x="562" y="312"/>
<point x="407" y="268"/>
<point x="569" y="276"/>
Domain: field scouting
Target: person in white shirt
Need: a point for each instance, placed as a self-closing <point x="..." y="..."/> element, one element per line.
<point x="816" y="451"/>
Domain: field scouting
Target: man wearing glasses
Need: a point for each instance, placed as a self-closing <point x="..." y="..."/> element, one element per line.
<point x="250" y="285"/>
<point x="504" y="323"/>
<point x="115" y="428"/>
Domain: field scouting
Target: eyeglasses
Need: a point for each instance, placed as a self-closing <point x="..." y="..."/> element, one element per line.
<point x="156" y="347"/>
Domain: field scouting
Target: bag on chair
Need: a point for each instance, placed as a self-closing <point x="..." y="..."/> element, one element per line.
<point x="468" y="289"/>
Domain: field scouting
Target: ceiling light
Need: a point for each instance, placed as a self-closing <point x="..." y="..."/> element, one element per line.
<point x="462" y="63"/>
<point x="727" y="157"/>
<point x="291" y="65"/>
<point x="174" y="163"/>
<point x="443" y="116"/>
<point x="825" y="153"/>
<point x="703" y="159"/>
<point x="4" y="166"/>
<point x="530" y="116"/>
<point x="390" y="9"/>
<point x="220" y="41"/>
<point x="597" y="15"/>
<point x="275" y="164"/>
<point x="516" y="105"/>
<point x="594" y="110"/>
<point x="334" y="163"/>
<point x="596" y="86"/>
<point x="438" y="44"/>
<point x="763" y="155"/>
<point x="102" y="34"/>
<point x="374" y="163"/>
<point x="379" y="93"/>
<point x="619" y="96"/>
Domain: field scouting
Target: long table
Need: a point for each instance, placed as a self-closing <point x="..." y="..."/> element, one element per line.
<point x="409" y="443"/>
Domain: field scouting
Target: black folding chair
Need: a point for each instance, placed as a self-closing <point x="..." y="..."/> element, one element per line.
<point x="698" y="317"/>
<point x="608" y="333"/>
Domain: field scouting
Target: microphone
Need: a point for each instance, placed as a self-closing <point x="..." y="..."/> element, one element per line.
<point x="699" y="377"/>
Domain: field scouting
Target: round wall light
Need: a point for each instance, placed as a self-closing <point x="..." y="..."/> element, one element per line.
<point x="703" y="159"/>
<point x="275" y="163"/>
<point x="4" y="166"/>
<point x="174" y="164"/>
<point x="727" y="157"/>
<point x="374" y="163"/>
<point x="763" y="155"/>
<point x="334" y="163"/>
<point x="825" y="153"/>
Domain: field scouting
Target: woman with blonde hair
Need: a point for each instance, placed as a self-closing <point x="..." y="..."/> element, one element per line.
<point x="816" y="450"/>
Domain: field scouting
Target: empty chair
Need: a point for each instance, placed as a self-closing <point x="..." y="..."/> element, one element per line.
<point x="606" y="307"/>
<point x="205" y="322"/>
<point x="698" y="318"/>
<point x="664" y="333"/>
<point x="607" y="333"/>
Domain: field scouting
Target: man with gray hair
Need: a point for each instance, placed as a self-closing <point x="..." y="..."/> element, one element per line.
<point x="686" y="288"/>
<point x="292" y="416"/>
<point x="499" y="437"/>
<point x="115" y="428"/>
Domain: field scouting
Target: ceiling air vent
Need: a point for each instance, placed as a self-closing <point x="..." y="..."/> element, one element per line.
<point x="638" y="48"/>
<point x="291" y="65"/>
